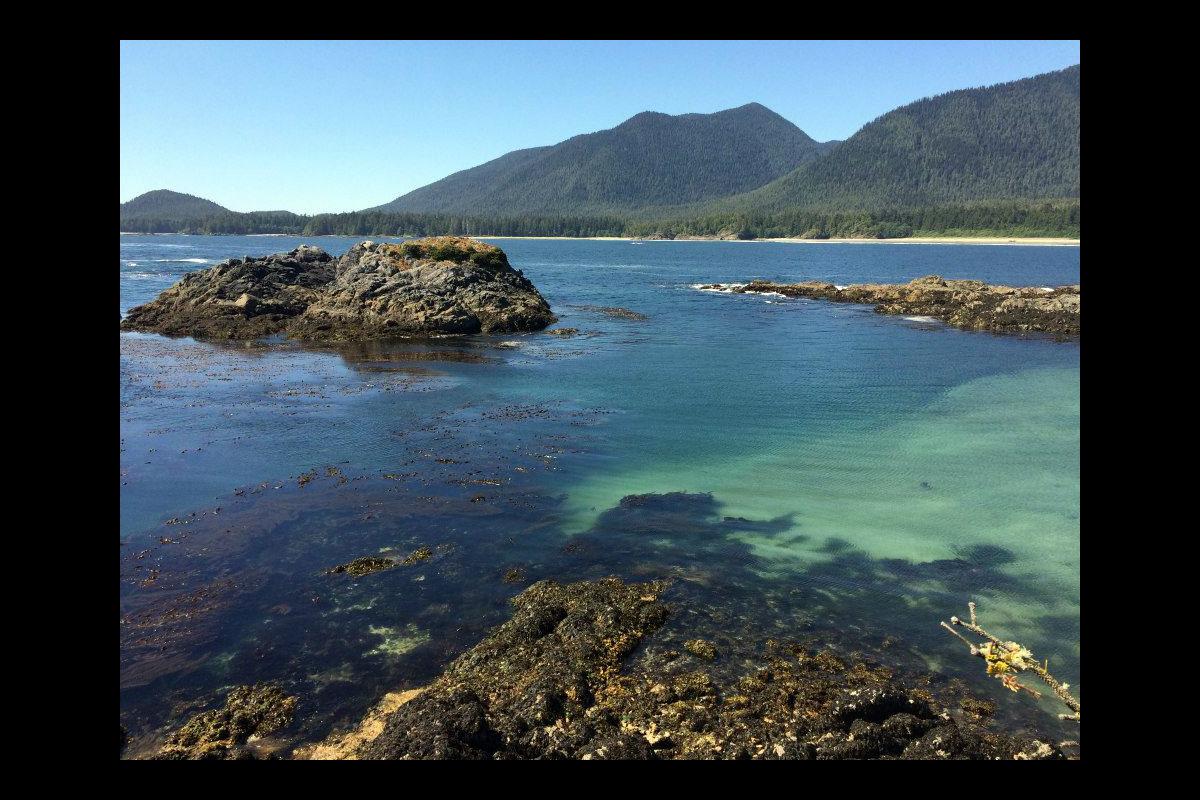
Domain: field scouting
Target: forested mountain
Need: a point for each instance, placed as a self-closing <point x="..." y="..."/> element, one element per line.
<point x="1001" y="160"/>
<point x="1017" y="140"/>
<point x="649" y="160"/>
<point x="164" y="203"/>
<point x="164" y="211"/>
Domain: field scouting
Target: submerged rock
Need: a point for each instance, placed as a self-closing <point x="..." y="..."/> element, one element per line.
<point x="440" y="285"/>
<point x="614" y="311"/>
<point x="972" y="305"/>
<point x="549" y="684"/>
<point x="239" y="298"/>
<point x="363" y="566"/>
<point x="219" y="734"/>
<point x="422" y="553"/>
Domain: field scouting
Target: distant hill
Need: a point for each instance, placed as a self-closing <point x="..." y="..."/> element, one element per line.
<point x="165" y="211"/>
<point x="166" y="204"/>
<point x="1017" y="140"/>
<point x="649" y="160"/>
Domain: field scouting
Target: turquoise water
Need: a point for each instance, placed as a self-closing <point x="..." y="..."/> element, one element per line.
<point x="850" y="474"/>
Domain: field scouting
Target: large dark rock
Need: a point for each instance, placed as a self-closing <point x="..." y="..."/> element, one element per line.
<point x="238" y="298"/>
<point x="524" y="691"/>
<point x="549" y="684"/>
<point x="973" y="305"/>
<point x="441" y="285"/>
<point x="438" y="285"/>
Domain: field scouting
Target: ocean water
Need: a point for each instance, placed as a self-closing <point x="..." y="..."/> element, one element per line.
<point x="799" y="468"/>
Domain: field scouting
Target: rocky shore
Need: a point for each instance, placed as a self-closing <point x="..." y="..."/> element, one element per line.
<point x="439" y="285"/>
<point x="967" y="304"/>
<point x="558" y="681"/>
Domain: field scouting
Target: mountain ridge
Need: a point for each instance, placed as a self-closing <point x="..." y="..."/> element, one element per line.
<point x="650" y="159"/>
<point x="999" y="158"/>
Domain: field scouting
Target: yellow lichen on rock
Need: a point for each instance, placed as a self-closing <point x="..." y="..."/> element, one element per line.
<point x="342" y="746"/>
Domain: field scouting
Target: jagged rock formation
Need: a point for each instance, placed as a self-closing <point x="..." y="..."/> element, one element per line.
<point x="428" y="286"/>
<point x="438" y="285"/>
<point x="973" y="305"/>
<point x="548" y="684"/>
<point x="239" y="298"/>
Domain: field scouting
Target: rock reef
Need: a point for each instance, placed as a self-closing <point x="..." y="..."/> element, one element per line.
<point x="439" y="285"/>
<point x="967" y="304"/>
<point x="549" y="684"/>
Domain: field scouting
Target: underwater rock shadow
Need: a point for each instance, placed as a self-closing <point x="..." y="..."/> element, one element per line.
<point x="726" y="590"/>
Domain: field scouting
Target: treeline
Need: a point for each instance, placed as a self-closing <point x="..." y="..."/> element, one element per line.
<point x="226" y="222"/>
<point x="379" y="223"/>
<point x="1007" y="218"/>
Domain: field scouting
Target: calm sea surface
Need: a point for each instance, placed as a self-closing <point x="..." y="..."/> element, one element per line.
<point x="800" y="469"/>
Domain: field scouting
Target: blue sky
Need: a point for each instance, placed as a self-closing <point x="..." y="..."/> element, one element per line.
<point x="340" y="126"/>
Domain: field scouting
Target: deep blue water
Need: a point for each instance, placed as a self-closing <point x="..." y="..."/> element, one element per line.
<point x="820" y="469"/>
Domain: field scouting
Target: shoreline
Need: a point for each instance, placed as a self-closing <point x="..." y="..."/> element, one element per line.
<point x="1040" y="241"/>
<point x="1037" y="241"/>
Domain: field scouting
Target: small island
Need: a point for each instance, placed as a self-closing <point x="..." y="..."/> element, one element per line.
<point x="437" y="285"/>
<point x="971" y="305"/>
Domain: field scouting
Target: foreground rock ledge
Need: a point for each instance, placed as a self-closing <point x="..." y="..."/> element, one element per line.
<point x="547" y="684"/>
<point x="972" y="305"/>
<point x="439" y="285"/>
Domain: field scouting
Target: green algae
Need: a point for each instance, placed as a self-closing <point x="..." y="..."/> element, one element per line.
<point x="395" y="641"/>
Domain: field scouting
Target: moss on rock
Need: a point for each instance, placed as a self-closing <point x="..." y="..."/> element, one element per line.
<point x="218" y="734"/>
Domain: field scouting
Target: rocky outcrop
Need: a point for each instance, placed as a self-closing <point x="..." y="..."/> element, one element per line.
<point x="441" y="285"/>
<point x="221" y="734"/>
<point x="438" y="285"/>
<point x="549" y="684"/>
<point x="972" y="305"/>
<point x="242" y="298"/>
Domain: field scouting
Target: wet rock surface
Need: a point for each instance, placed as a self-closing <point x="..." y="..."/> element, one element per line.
<point x="249" y="711"/>
<point x="615" y="312"/>
<point x="972" y="305"/>
<point x="439" y="285"/>
<point x="239" y="298"/>
<point x="539" y="670"/>
<point x="548" y="684"/>
<point x="363" y="566"/>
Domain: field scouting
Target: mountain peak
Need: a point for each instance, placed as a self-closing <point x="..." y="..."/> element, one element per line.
<point x="650" y="160"/>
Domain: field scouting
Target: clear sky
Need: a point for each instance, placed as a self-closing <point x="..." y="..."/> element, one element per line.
<point x="340" y="126"/>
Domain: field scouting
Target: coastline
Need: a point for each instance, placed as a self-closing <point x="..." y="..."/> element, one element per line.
<point x="1042" y="241"/>
<point x="992" y="240"/>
